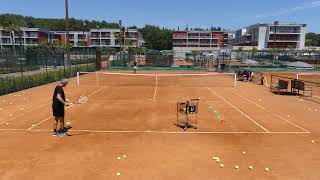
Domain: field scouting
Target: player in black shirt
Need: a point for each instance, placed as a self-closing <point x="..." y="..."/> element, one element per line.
<point x="58" y="104"/>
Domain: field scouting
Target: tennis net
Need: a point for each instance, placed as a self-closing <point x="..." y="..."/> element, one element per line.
<point x="167" y="80"/>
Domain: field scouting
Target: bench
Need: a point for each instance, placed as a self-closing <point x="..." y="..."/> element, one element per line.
<point x="281" y="85"/>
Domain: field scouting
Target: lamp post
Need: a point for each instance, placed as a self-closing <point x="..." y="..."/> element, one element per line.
<point x="67" y="35"/>
<point x="83" y="41"/>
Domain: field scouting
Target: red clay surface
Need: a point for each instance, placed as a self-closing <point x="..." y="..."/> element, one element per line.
<point x="138" y="121"/>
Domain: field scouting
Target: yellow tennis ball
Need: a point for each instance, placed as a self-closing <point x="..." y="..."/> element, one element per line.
<point x="221" y="165"/>
<point x="124" y="156"/>
<point x="236" y="167"/>
<point x="118" y="157"/>
<point x="250" y="167"/>
<point x="266" y="169"/>
<point x="243" y="152"/>
<point x="118" y="174"/>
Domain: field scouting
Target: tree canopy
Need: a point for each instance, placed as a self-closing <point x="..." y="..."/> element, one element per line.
<point x="54" y="24"/>
<point x="156" y="38"/>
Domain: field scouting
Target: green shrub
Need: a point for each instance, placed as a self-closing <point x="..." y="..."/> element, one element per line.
<point x="13" y="84"/>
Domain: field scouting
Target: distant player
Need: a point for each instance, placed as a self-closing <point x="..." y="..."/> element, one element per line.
<point x="135" y="67"/>
<point x="58" y="104"/>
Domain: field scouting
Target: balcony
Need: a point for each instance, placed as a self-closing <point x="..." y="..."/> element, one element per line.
<point x="105" y="35"/>
<point x="179" y="37"/>
<point x="193" y="37"/>
<point x="285" y="32"/>
<point x="283" y="40"/>
<point x="95" y="35"/>
<point x="5" y="34"/>
<point x="31" y="35"/>
<point x="6" y="42"/>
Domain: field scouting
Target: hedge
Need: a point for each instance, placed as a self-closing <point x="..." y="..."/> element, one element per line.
<point x="13" y="84"/>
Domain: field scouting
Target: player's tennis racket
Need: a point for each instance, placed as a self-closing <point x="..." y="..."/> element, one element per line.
<point x="81" y="100"/>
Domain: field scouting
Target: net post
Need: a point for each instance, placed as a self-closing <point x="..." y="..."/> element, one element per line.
<point x="97" y="79"/>
<point x="78" y="78"/>
<point x="235" y="79"/>
<point x="297" y="75"/>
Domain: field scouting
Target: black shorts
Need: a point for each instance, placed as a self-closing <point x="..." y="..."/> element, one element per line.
<point x="58" y="111"/>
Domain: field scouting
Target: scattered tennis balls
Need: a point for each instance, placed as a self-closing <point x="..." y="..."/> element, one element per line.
<point x="1" y="109"/>
<point x="10" y="115"/>
<point x="118" y="174"/>
<point x="316" y="110"/>
<point x="10" y="103"/>
<point x="210" y="106"/>
<point x="259" y="99"/>
<point x="312" y="141"/>
<point x="243" y="152"/>
<point x="19" y="95"/>
<point x="23" y="92"/>
<point x="7" y="123"/>
<point x="288" y="115"/>
<point x="266" y="169"/>
<point x="218" y="117"/>
<point x="124" y="156"/>
<point x="250" y="167"/>
<point x="215" y="111"/>
<point x="68" y="123"/>
<point x="118" y="157"/>
<point x="309" y="109"/>
<point x="33" y="125"/>
<point x="221" y="165"/>
<point x="217" y="160"/>
<point x="236" y="167"/>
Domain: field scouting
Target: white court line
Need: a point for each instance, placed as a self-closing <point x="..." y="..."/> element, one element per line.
<point x="155" y="89"/>
<point x="239" y="110"/>
<point x="265" y="109"/>
<point x="24" y="113"/>
<point x="35" y="125"/>
<point x="175" y="132"/>
<point x="12" y="130"/>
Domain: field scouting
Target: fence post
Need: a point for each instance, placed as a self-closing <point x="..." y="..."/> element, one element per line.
<point x="6" y="62"/>
<point x="78" y="78"/>
<point x="64" y="65"/>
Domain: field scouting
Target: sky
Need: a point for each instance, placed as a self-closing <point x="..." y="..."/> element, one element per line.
<point x="231" y="14"/>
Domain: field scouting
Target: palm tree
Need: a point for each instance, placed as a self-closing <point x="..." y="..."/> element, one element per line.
<point x="121" y="37"/>
<point x="12" y="28"/>
<point x="240" y="49"/>
<point x="254" y="50"/>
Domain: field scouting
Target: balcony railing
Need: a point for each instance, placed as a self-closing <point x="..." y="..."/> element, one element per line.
<point x="283" y="40"/>
<point x="284" y="31"/>
<point x="5" y="34"/>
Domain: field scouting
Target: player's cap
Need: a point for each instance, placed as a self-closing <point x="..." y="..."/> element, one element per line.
<point x="64" y="81"/>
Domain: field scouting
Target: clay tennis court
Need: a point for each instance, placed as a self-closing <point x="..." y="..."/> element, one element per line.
<point x="135" y="116"/>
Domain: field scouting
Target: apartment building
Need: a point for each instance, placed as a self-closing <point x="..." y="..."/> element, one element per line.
<point x="28" y="36"/>
<point x="199" y="40"/>
<point x="107" y="38"/>
<point x="93" y="38"/>
<point x="76" y="38"/>
<point x="276" y="35"/>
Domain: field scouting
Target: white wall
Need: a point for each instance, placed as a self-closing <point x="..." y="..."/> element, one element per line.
<point x="262" y="38"/>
